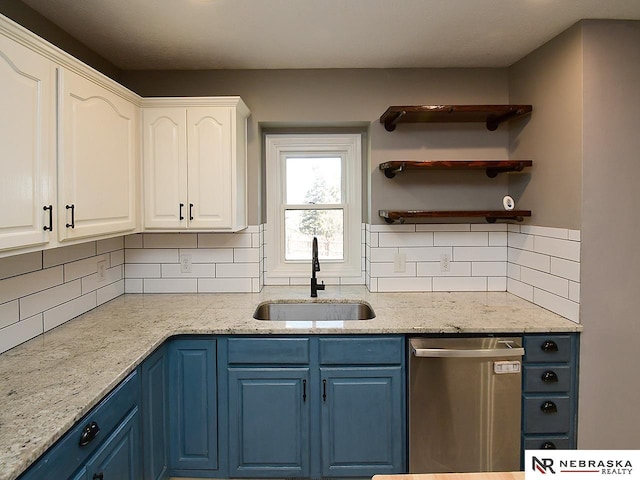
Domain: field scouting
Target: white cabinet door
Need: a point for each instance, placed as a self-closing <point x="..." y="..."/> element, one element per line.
<point x="26" y="146"/>
<point x="195" y="164"/>
<point x="165" y="167"/>
<point x="98" y="135"/>
<point x="210" y="167"/>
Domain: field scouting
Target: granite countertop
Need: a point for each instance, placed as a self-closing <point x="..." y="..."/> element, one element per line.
<point x="47" y="384"/>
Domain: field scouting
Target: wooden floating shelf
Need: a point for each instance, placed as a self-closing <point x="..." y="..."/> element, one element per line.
<point x="492" y="167"/>
<point x="491" y="115"/>
<point x="400" y="216"/>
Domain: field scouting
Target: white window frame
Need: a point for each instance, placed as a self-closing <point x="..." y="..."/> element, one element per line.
<point x="277" y="148"/>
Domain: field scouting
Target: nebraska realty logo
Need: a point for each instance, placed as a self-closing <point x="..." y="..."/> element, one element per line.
<point x="580" y="464"/>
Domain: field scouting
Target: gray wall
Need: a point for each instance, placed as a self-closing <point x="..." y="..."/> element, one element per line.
<point x="33" y="21"/>
<point x="280" y="98"/>
<point x="610" y="357"/>
<point x="550" y="78"/>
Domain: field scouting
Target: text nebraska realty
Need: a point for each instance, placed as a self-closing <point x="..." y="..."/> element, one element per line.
<point x="605" y="467"/>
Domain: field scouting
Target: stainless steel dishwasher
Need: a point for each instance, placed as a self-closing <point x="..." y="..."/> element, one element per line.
<point x="464" y="404"/>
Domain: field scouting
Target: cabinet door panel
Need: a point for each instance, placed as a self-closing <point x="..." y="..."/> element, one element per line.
<point x="193" y="405"/>
<point x="154" y="415"/>
<point x="210" y="172"/>
<point x="97" y="159"/>
<point x="26" y="142"/>
<point x="268" y="422"/>
<point x="362" y="421"/>
<point x="165" y="167"/>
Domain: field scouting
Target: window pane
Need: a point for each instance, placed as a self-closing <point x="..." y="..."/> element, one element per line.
<point x="302" y="225"/>
<point x="314" y="180"/>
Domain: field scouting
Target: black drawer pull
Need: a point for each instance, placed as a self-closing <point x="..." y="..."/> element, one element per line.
<point x="548" y="446"/>
<point x="549" y="346"/>
<point x="90" y="432"/>
<point x="49" y="228"/>
<point x="71" y="207"/>
<point x="304" y="390"/>
<point x="324" y="390"/>
<point x="98" y="476"/>
<point x="191" y="211"/>
<point x="180" y="211"/>
<point x="549" y="377"/>
<point x="549" y="407"/>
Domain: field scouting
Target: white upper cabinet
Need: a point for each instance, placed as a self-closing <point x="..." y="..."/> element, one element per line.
<point x="27" y="156"/>
<point x="195" y="163"/>
<point x="97" y="155"/>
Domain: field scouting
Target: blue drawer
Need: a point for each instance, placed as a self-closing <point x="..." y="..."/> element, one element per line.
<point x="278" y="351"/>
<point x="547" y="378"/>
<point x="556" y="418"/>
<point x="547" y="348"/>
<point x="559" y="442"/>
<point x="361" y="351"/>
<point x="67" y="455"/>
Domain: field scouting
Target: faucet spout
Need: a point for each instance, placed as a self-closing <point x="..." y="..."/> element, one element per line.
<point x="315" y="267"/>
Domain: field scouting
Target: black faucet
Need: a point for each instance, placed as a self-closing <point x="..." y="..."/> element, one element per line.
<point x="315" y="267"/>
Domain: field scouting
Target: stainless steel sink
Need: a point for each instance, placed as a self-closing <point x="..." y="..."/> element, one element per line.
<point x="313" y="312"/>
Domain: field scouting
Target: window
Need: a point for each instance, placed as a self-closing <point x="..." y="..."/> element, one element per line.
<point x="313" y="190"/>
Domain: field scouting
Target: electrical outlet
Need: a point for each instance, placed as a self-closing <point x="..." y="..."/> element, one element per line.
<point x="102" y="271"/>
<point x="185" y="263"/>
<point x="400" y="263"/>
<point x="445" y="262"/>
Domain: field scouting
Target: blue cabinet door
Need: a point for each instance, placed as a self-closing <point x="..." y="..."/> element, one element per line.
<point x="119" y="457"/>
<point x="362" y="421"/>
<point x="193" y="419"/>
<point x="154" y="415"/>
<point x="268" y="422"/>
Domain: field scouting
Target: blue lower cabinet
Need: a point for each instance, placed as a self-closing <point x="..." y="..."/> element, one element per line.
<point x="154" y="409"/>
<point x="193" y="419"/>
<point x="362" y="421"/>
<point x="268" y="422"/>
<point x="119" y="457"/>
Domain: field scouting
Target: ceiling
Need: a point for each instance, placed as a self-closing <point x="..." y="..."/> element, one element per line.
<point x="278" y="34"/>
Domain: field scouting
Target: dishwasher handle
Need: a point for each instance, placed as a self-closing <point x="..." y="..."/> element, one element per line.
<point x="466" y="353"/>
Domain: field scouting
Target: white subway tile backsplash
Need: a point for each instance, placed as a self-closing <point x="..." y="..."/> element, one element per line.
<point x="459" y="284"/>
<point x="574" y="292"/>
<point x="425" y="254"/>
<point x="488" y="227"/>
<point x="68" y="310"/>
<point x="49" y="298"/>
<point x="545" y="281"/>
<point x="432" y="269"/>
<point x="237" y="270"/>
<point x="520" y="289"/>
<point x="117" y="257"/>
<point x="224" y="240"/>
<point x="170" y="240"/>
<point x="20" y="264"/>
<point x="20" y="332"/>
<point x="498" y="239"/>
<point x="561" y="306"/>
<point x="574" y="235"/>
<point x="374" y="240"/>
<point x="109" y="245"/>
<point x="387" y="270"/>
<point x="513" y="271"/>
<point x="154" y="255"/>
<point x="142" y="270"/>
<point x="520" y="240"/>
<point x="461" y="239"/>
<point x="209" y="255"/>
<point x="246" y="255"/>
<point x="110" y="292"/>
<point x="82" y="268"/>
<point x="393" y="228"/>
<point x="443" y="227"/>
<point x="9" y="313"/>
<point x="133" y="285"/>
<point x="513" y="227"/>
<point x="133" y="241"/>
<point x="59" y="256"/>
<point x="27" y="284"/>
<point x="92" y="282"/>
<point x="383" y="254"/>
<point x="402" y="284"/>
<point x="556" y="247"/>
<point x="488" y="254"/>
<point x="538" y="231"/>
<point x="565" y="268"/>
<point x="421" y="239"/>
<point x="529" y="259"/>
<point x="489" y="269"/>
<point x="172" y="270"/>
<point x="224" y="285"/>
<point x="170" y="285"/>
<point x="496" y="284"/>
